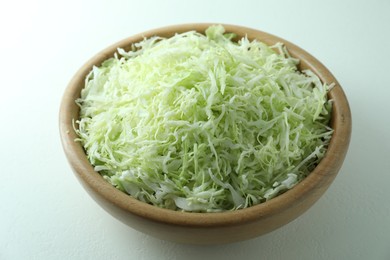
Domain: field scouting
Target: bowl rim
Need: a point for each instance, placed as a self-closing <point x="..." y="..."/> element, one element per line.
<point x="323" y="174"/>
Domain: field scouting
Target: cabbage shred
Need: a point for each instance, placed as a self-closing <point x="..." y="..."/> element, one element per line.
<point x="201" y="123"/>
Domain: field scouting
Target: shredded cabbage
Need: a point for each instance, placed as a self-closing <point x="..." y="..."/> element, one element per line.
<point x="201" y="123"/>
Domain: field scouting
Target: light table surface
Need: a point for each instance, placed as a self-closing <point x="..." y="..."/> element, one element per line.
<point x="46" y="214"/>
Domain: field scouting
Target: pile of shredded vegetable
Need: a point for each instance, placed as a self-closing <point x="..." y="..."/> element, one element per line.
<point x="201" y="123"/>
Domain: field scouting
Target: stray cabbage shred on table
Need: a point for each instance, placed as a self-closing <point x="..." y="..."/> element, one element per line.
<point x="201" y="123"/>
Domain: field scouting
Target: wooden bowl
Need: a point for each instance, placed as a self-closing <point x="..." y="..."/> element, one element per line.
<point x="208" y="228"/>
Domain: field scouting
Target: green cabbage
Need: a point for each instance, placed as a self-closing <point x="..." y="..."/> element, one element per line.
<point x="201" y="123"/>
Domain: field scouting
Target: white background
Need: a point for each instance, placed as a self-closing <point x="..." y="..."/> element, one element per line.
<point x="46" y="214"/>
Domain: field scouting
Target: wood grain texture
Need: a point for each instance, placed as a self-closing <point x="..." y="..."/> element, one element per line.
<point x="208" y="228"/>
